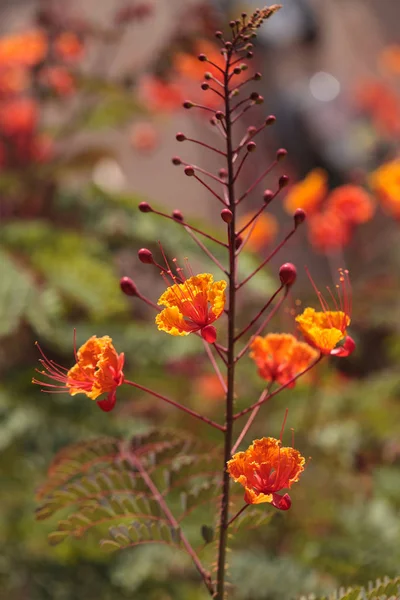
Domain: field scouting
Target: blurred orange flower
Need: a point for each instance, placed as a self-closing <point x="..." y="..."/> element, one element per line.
<point x="385" y="182"/>
<point x="208" y="387"/>
<point x="144" y="137"/>
<point x="351" y="203"/>
<point x="17" y="116"/>
<point x="389" y="59"/>
<point x="325" y="329"/>
<point x="382" y="103"/>
<point x="308" y="193"/>
<point x="24" y="49"/>
<point x="69" y="46"/>
<point x="13" y="80"/>
<point x="265" y="469"/>
<point x="59" y="79"/>
<point x="98" y="370"/>
<point x="263" y="230"/>
<point x="280" y="357"/>
<point x="328" y="232"/>
<point x="158" y="95"/>
<point x="192" y="306"/>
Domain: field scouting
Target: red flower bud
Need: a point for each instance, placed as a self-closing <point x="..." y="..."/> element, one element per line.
<point x="283" y="181"/>
<point x="219" y="115"/>
<point x="128" y="287"/>
<point x="189" y="171"/>
<point x="145" y="207"/>
<point x="226" y="215"/>
<point x="177" y="215"/>
<point x="202" y="57"/>
<point x="209" y="334"/>
<point x="281" y="154"/>
<point x="187" y="104"/>
<point x="238" y="242"/>
<point x="268" y="196"/>
<point x="223" y="173"/>
<point x="287" y="274"/>
<point x="176" y="161"/>
<point x="270" y="120"/>
<point x="251" y="147"/>
<point x="145" y="256"/>
<point x="181" y="137"/>
<point x="299" y="217"/>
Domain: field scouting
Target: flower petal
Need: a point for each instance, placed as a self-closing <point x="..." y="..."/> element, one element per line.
<point x="171" y="321"/>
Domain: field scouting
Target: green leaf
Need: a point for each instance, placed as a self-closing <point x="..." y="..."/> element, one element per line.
<point x="207" y="533"/>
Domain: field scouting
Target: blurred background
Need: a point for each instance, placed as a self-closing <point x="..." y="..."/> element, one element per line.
<point x="90" y="103"/>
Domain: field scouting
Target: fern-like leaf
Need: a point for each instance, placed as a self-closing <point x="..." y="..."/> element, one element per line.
<point x="386" y="589"/>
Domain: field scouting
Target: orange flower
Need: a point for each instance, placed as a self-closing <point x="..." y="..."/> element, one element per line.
<point x="158" y="95"/>
<point x="68" y="46"/>
<point x="59" y="80"/>
<point x="325" y="329"/>
<point x="351" y="203"/>
<point x="280" y="357"/>
<point x="18" y="116"/>
<point x="25" y="49"/>
<point x="385" y="182"/>
<point x="382" y="103"/>
<point x="389" y="59"/>
<point x="328" y="232"/>
<point x="98" y="370"/>
<point x="192" y="306"/>
<point x="144" y="137"/>
<point x="263" y="230"/>
<point x="308" y="193"/>
<point x="265" y="469"/>
<point x="208" y="387"/>
<point x="13" y="80"/>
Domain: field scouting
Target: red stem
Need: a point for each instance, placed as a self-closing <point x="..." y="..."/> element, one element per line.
<point x="250" y="420"/>
<point x="257" y="181"/>
<point x="184" y="224"/>
<point x="185" y="409"/>
<point x="258" y="315"/>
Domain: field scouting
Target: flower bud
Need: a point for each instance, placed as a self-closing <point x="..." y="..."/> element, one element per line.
<point x="208" y="76"/>
<point x="189" y="171"/>
<point x="218" y="34"/>
<point x="204" y="86"/>
<point x="299" y="217"/>
<point x="176" y="161"/>
<point x="249" y="55"/>
<point x="209" y="334"/>
<point x="128" y="287"/>
<point x="228" y="45"/>
<point x="251" y="147"/>
<point x="238" y="242"/>
<point x="283" y="181"/>
<point x="219" y="115"/>
<point x="202" y="57"/>
<point x="177" y="215"/>
<point x="281" y="154"/>
<point x="251" y="130"/>
<point x="257" y="76"/>
<point x="237" y="70"/>
<point x="270" y="120"/>
<point x="226" y="215"/>
<point x="223" y="173"/>
<point x="180" y="137"/>
<point x="268" y="196"/>
<point x="254" y="96"/>
<point x="145" y="256"/>
<point x="187" y="104"/>
<point x="145" y="207"/>
<point x="287" y="274"/>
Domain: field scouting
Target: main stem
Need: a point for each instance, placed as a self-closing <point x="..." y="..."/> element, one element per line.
<point x="224" y="516"/>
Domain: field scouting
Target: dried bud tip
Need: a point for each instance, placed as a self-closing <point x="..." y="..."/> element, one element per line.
<point x="223" y="173"/>
<point x="238" y="242"/>
<point x="128" y="287"/>
<point x="202" y="57"/>
<point x="251" y="147"/>
<point x="187" y="104"/>
<point x="299" y="217"/>
<point x="176" y="161"/>
<point x="283" y="181"/>
<point x="189" y="171"/>
<point x="145" y="256"/>
<point x="219" y="115"/>
<point x="226" y="215"/>
<point x="270" y="120"/>
<point x="180" y="137"/>
<point x="268" y="196"/>
<point x="177" y="215"/>
<point x="281" y="154"/>
<point x="288" y="274"/>
<point x="145" y="207"/>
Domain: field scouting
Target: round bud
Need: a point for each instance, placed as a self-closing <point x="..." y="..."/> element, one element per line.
<point x="176" y="161"/>
<point x="128" y="287"/>
<point x="260" y="100"/>
<point x="232" y="23"/>
<point x="228" y="45"/>
<point x="238" y="242"/>
<point x="226" y="215"/>
<point x="281" y="154"/>
<point x="244" y="67"/>
<point x="145" y="256"/>
<point x="270" y="120"/>
<point x="254" y="96"/>
<point x="287" y="274"/>
<point x="145" y="207"/>
<point x="204" y="86"/>
<point x="234" y="93"/>
<point x="177" y="215"/>
<point x="283" y="181"/>
<point x="251" y="147"/>
<point x="257" y="76"/>
<point x="237" y="70"/>
<point x="202" y="57"/>
<point x="268" y="196"/>
<point x="207" y="76"/>
<point x="223" y="173"/>
<point x="219" y="115"/>
<point x="189" y="171"/>
<point x="218" y="34"/>
<point x="180" y="137"/>
<point x="251" y="130"/>
<point x="249" y="55"/>
<point x="243" y="15"/>
<point x="248" y="47"/>
<point x="299" y="217"/>
<point x="187" y="104"/>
